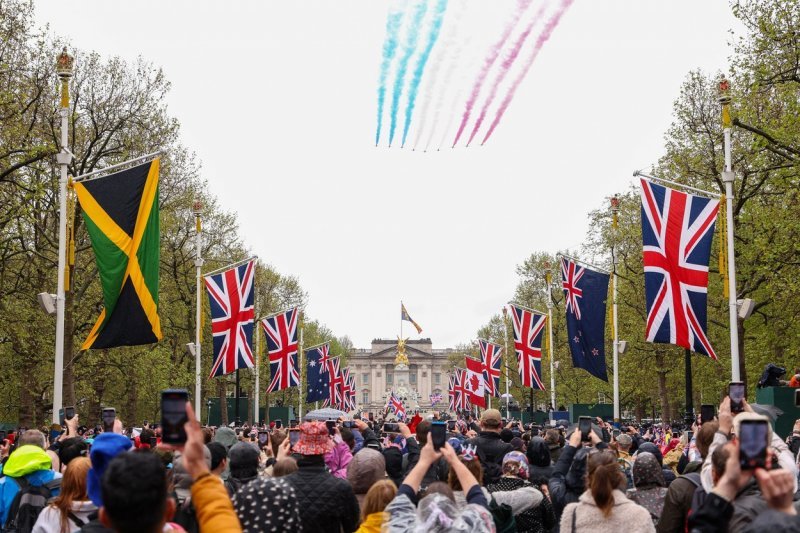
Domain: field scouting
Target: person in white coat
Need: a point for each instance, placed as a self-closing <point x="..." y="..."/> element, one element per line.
<point x="70" y="511"/>
<point x="603" y="507"/>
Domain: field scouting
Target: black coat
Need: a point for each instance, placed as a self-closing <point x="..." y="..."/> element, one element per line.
<point x="328" y="503"/>
<point x="491" y="450"/>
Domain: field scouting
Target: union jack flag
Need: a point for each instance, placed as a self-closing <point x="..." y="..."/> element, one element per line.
<point x="347" y="391"/>
<point x="395" y="405"/>
<point x="281" y="333"/>
<point x="571" y="275"/>
<point x="436" y="397"/>
<point x="231" y="297"/>
<point x="492" y="361"/>
<point x="335" y="382"/>
<point x="528" y="335"/>
<point x="677" y="230"/>
<point x="459" y="395"/>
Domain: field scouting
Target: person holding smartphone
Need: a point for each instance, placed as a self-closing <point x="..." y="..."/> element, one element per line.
<point x="727" y="422"/>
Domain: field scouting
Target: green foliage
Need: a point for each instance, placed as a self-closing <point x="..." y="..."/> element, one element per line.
<point x="118" y="111"/>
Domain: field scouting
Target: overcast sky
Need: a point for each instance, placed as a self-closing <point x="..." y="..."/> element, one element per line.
<point x="278" y="99"/>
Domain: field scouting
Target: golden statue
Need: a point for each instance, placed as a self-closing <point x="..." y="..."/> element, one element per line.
<point x="402" y="358"/>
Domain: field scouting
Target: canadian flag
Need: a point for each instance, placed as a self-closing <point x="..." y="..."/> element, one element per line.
<point x="474" y="382"/>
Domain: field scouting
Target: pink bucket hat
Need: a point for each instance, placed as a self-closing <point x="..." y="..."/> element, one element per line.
<point x="314" y="439"/>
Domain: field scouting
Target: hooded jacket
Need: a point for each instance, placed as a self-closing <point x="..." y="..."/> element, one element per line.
<point x="539" y="463"/>
<point x="34" y="464"/>
<point x="327" y="503"/>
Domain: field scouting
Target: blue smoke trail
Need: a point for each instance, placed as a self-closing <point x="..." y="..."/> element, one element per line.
<point x="408" y="51"/>
<point x="393" y="23"/>
<point x="433" y="35"/>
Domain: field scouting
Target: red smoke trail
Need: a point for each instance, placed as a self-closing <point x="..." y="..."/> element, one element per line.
<point x="543" y="37"/>
<point x="505" y="67"/>
<point x="488" y="61"/>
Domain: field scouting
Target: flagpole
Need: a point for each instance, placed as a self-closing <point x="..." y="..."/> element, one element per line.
<point x="505" y="339"/>
<point x="548" y="277"/>
<point x="64" y="64"/>
<point x="615" y="262"/>
<point x="300" y="371"/>
<point x="256" y="392"/>
<point x="197" y="208"/>
<point x="727" y="178"/>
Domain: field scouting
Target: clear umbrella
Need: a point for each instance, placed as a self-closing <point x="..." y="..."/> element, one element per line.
<point x="325" y="414"/>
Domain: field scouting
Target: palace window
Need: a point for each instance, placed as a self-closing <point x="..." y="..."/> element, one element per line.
<point x="365" y="379"/>
<point x="437" y="378"/>
<point x="412" y="378"/>
<point x="364" y="397"/>
<point x="389" y="378"/>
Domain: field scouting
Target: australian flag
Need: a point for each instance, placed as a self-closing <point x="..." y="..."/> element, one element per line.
<point x="585" y="293"/>
<point x="317" y="375"/>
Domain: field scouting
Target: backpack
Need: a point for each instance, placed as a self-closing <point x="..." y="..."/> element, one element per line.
<point x="27" y="504"/>
<point x="503" y="517"/>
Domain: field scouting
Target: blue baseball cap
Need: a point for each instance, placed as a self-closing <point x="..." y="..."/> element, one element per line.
<point x="105" y="447"/>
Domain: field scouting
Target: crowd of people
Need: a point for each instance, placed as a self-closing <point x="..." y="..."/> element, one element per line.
<point x="486" y="474"/>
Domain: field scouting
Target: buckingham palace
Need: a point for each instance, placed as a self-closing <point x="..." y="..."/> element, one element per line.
<point x="377" y="373"/>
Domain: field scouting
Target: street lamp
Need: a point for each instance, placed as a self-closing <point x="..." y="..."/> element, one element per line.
<point x="64" y="68"/>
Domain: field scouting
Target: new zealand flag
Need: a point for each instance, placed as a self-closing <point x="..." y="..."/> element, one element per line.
<point x="585" y="293"/>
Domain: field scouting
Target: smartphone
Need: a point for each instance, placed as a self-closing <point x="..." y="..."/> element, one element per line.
<point x="451" y="425"/>
<point x="263" y="437"/>
<point x="349" y="424"/>
<point x="173" y="415"/>
<point x="3" y="436"/>
<point x="144" y="424"/>
<point x="615" y="433"/>
<point x="707" y="413"/>
<point x="109" y="416"/>
<point x="796" y="398"/>
<point x="292" y="424"/>
<point x="69" y="413"/>
<point x="278" y="423"/>
<point x="391" y="427"/>
<point x="689" y="436"/>
<point x="153" y="442"/>
<point x="371" y="417"/>
<point x="438" y="434"/>
<point x="753" y="444"/>
<point x="585" y="427"/>
<point x="294" y="436"/>
<point x="736" y="394"/>
<point x="331" y="426"/>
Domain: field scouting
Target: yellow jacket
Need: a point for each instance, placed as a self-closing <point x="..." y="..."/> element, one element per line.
<point x="373" y="523"/>
<point x="213" y="506"/>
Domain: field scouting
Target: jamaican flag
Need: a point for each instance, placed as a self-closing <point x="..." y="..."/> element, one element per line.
<point x="121" y="215"/>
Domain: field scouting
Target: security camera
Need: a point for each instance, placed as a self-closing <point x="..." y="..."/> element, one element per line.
<point x="622" y="347"/>
<point x="48" y="302"/>
<point x="191" y="349"/>
<point x="746" y="307"/>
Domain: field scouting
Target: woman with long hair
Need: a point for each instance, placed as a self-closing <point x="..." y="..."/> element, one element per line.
<point x="603" y="507"/>
<point x="71" y="509"/>
<point x="373" y="514"/>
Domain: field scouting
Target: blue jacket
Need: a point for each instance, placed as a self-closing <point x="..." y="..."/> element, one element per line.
<point x="31" y="462"/>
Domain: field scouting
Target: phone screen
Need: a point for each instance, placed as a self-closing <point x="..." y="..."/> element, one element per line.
<point x="153" y="442"/>
<point x="173" y="416"/>
<point x="753" y="444"/>
<point x="451" y="425"/>
<point x="109" y="416"/>
<point x="278" y="423"/>
<point x="689" y="436"/>
<point x="706" y="413"/>
<point x="585" y="427"/>
<point x="349" y="424"/>
<point x="263" y="437"/>
<point x="438" y="434"/>
<point x="294" y="436"/>
<point x="292" y="423"/>
<point x="331" y="426"/>
<point x="69" y="413"/>
<point x="390" y="427"/>
<point x="736" y="394"/>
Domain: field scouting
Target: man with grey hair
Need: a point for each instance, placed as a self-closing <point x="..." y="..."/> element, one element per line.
<point x="34" y="437"/>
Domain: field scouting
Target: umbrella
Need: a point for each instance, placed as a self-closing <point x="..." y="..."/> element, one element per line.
<point x="325" y="414"/>
<point x="507" y="396"/>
